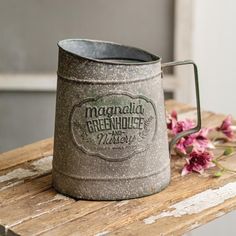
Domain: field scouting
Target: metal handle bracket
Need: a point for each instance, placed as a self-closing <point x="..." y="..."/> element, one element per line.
<point x="198" y="126"/>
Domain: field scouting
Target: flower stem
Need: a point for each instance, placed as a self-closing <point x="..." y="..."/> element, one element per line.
<point x="219" y="157"/>
<point x="223" y="168"/>
<point x="226" y="145"/>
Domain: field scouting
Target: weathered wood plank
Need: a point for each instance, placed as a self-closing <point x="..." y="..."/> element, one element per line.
<point x="179" y="107"/>
<point x="27" y="153"/>
<point x="27" y="189"/>
<point x="185" y="215"/>
<point x="57" y="218"/>
<point x="30" y="207"/>
<point x="29" y="170"/>
<point x="116" y="216"/>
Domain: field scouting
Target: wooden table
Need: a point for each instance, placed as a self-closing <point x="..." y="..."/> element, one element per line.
<point x="30" y="206"/>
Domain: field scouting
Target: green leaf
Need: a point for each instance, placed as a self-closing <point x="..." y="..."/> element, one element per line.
<point x="218" y="174"/>
<point x="228" y="151"/>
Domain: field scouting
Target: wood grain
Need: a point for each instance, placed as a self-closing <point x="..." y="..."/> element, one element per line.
<point x="26" y="171"/>
<point x="29" y="206"/>
<point x="176" y="225"/>
<point x="115" y="217"/>
<point x="27" y="153"/>
<point x="60" y="217"/>
<point x="25" y="190"/>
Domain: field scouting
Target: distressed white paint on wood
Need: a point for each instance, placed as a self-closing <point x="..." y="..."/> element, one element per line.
<point x="55" y="198"/>
<point x="193" y="226"/>
<point x="19" y="173"/>
<point x="104" y="233"/>
<point x="197" y="203"/>
<point x="43" y="164"/>
<point x="121" y="203"/>
<point x="16" y="176"/>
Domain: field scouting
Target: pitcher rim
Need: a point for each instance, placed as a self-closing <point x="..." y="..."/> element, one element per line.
<point x="155" y="58"/>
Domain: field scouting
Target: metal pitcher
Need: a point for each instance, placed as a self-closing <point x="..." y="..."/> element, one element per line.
<point x="110" y="131"/>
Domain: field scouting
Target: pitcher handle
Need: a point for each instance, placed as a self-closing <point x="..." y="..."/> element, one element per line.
<point x="198" y="126"/>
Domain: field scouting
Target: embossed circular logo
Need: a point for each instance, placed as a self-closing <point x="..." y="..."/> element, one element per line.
<point x="114" y="126"/>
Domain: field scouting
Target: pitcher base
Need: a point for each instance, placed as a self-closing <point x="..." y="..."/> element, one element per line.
<point x="110" y="189"/>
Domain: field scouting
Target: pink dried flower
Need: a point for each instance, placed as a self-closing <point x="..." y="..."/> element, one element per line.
<point x="184" y="144"/>
<point x="198" y="161"/>
<point x="182" y="126"/>
<point x="226" y="127"/>
<point x="174" y="115"/>
<point x="172" y="120"/>
<point x="178" y="126"/>
<point x="197" y="141"/>
<point x="201" y="140"/>
<point x="194" y="146"/>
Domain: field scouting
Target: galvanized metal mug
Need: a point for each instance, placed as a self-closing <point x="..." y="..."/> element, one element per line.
<point x="110" y="131"/>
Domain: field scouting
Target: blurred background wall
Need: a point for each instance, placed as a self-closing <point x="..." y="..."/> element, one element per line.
<point x="30" y="30"/>
<point x="214" y="50"/>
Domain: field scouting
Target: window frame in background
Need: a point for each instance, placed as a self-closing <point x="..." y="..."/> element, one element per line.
<point x="180" y="83"/>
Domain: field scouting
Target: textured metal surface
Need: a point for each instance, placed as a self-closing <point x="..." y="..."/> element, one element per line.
<point x="110" y="132"/>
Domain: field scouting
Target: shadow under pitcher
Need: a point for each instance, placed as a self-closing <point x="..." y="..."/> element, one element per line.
<point x="110" y="138"/>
